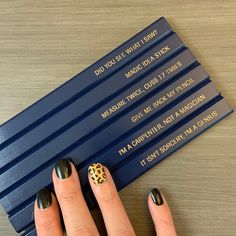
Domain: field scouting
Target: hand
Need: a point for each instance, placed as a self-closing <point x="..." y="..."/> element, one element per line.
<point x="77" y="218"/>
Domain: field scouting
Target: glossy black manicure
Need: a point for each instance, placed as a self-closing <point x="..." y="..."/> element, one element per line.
<point x="156" y="197"/>
<point x="63" y="169"/>
<point x="44" y="198"/>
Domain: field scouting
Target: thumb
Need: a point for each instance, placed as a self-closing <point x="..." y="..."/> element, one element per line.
<point x="161" y="214"/>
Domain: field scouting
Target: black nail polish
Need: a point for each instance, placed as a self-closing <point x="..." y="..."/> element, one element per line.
<point x="63" y="169"/>
<point x="44" y="198"/>
<point x="156" y="197"/>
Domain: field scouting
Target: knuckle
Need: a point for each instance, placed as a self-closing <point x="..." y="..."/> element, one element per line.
<point x="44" y="224"/>
<point x="165" y="222"/>
<point x="68" y="197"/>
<point x="83" y="230"/>
<point x="108" y="197"/>
<point x="124" y="232"/>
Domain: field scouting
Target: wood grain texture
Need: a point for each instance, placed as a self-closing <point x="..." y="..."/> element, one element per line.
<point x="44" y="43"/>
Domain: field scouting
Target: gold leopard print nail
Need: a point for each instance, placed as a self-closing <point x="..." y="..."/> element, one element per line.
<point x="97" y="173"/>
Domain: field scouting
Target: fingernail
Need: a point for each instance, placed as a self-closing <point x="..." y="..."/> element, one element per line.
<point x="63" y="168"/>
<point x="97" y="173"/>
<point x="44" y="198"/>
<point x="156" y="197"/>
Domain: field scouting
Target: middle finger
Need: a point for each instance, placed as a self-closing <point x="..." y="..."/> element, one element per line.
<point x="76" y="215"/>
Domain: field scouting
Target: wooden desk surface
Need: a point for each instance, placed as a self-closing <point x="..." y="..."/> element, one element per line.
<point x="44" y="43"/>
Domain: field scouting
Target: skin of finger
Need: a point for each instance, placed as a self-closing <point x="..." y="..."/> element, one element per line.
<point x="162" y="218"/>
<point x="114" y="215"/>
<point x="47" y="220"/>
<point x="76" y="215"/>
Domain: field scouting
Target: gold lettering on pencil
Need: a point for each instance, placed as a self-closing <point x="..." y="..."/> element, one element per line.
<point x="120" y="56"/>
<point x="134" y="94"/>
<point x="146" y="135"/>
<point x="171" y="143"/>
<point x="188" y="131"/>
<point x="153" y="156"/>
<point x="137" y="117"/>
<point x="204" y="121"/>
<point x="147" y="109"/>
<point x="191" y="104"/>
<point x="114" y="108"/>
<point x="122" y="151"/>
<point x="151" y="83"/>
<point x="161" y="100"/>
<point x="110" y="63"/>
<point x="99" y="70"/>
<point x="143" y="163"/>
<point x="164" y="123"/>
<point x="170" y="94"/>
<point x="169" y="119"/>
<point x="156" y="154"/>
<point x="133" y="71"/>
<point x="146" y="86"/>
<point x="126" y="52"/>
<point x="133" y="47"/>
<point x="162" y="51"/>
<point x="184" y="85"/>
<point x="120" y="104"/>
<point x="150" y="36"/>
<point x="207" y="119"/>
<point x="180" y="137"/>
<point x="174" y="67"/>
<point x="147" y="61"/>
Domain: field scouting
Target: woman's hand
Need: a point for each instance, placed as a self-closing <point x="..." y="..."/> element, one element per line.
<point x="77" y="218"/>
